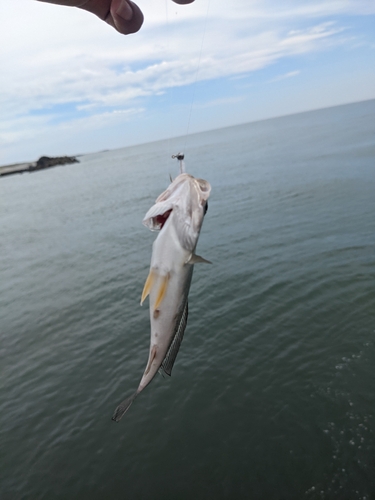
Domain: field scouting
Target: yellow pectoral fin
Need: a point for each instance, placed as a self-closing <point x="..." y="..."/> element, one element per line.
<point x="162" y="291"/>
<point x="148" y="285"/>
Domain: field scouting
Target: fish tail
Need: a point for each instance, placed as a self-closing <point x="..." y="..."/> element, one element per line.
<point x="123" y="407"/>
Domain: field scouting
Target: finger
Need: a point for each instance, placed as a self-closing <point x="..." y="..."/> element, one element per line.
<point x="125" y="16"/>
<point x="183" y="2"/>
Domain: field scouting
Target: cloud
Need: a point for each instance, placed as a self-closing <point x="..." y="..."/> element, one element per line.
<point x="68" y="57"/>
<point x="71" y="75"/>
<point x="285" y="76"/>
<point x="219" y="102"/>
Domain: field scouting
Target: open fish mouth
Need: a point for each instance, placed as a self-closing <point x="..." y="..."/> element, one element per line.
<point x="159" y="221"/>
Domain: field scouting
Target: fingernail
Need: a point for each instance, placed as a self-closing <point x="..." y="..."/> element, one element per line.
<point x="125" y="11"/>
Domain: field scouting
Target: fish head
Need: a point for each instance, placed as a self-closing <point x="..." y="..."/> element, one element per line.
<point x="185" y="200"/>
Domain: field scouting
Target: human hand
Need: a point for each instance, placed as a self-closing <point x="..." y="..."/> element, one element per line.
<point x="124" y="15"/>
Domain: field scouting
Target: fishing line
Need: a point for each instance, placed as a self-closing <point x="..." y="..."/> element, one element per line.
<point x="195" y="79"/>
<point x="169" y="98"/>
<point x="197" y="73"/>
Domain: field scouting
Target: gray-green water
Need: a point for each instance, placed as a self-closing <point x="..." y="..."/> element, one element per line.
<point x="273" y="391"/>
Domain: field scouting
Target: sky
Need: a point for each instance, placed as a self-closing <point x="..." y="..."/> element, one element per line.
<point x="70" y="84"/>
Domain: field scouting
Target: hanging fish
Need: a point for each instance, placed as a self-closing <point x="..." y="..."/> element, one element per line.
<point x="178" y="215"/>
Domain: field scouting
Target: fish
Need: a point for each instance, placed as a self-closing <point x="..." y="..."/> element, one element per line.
<point x="178" y="216"/>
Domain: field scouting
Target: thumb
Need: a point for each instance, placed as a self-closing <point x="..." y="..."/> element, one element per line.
<point x="125" y="16"/>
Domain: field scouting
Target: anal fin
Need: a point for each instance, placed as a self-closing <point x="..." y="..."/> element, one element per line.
<point x="151" y="359"/>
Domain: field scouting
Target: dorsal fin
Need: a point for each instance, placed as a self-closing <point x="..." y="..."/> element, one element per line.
<point x="172" y="352"/>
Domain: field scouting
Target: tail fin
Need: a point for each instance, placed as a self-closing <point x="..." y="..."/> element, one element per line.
<point x="123" y="407"/>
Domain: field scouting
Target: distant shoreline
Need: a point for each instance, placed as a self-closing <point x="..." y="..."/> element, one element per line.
<point x="41" y="164"/>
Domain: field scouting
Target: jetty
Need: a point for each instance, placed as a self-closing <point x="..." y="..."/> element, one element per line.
<point x="41" y="164"/>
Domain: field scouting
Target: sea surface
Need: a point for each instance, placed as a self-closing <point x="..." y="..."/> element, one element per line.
<point x="272" y="395"/>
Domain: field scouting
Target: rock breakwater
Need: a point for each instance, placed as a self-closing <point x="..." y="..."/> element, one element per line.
<point x="42" y="163"/>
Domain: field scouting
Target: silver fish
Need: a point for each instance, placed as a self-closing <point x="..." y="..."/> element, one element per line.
<point x="178" y="215"/>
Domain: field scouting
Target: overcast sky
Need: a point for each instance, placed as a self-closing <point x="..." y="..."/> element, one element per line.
<point x="71" y="84"/>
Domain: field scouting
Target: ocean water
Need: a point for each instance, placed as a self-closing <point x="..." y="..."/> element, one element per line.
<point x="273" y="392"/>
